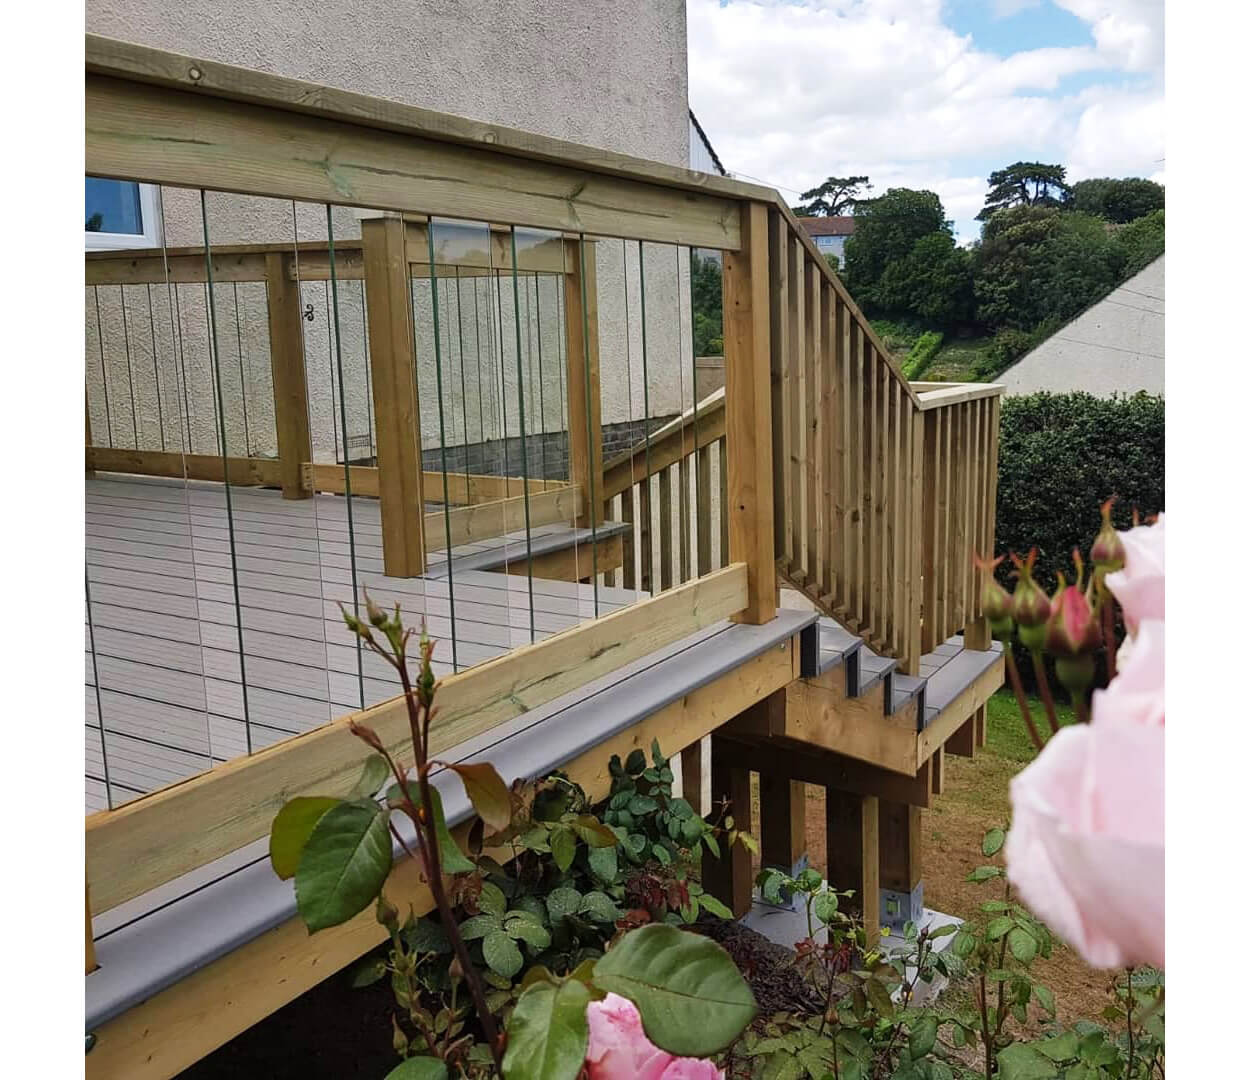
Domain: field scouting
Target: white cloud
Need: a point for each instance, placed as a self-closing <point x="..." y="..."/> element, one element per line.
<point x="792" y="93"/>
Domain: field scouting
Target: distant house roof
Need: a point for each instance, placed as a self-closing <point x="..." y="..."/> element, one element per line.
<point x="707" y="143"/>
<point x="842" y="225"/>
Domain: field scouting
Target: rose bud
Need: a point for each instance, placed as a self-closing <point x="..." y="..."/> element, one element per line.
<point x="1107" y="554"/>
<point x="1029" y="603"/>
<point x="995" y="600"/>
<point x="1073" y="634"/>
<point x="376" y="615"/>
<point x="387" y="913"/>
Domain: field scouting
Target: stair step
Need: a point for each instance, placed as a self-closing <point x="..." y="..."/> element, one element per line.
<point x="956" y="668"/>
<point x="873" y="669"/>
<point x="836" y="644"/>
<point x="903" y="688"/>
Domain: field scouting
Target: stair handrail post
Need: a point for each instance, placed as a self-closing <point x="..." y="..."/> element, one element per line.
<point x="748" y="413"/>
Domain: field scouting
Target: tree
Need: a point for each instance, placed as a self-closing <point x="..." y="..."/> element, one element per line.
<point x="886" y="230"/>
<point x="1026" y="183"/>
<point x="1142" y="242"/>
<point x="1120" y="201"/>
<point x="1035" y="263"/>
<point x="933" y="281"/>
<point x="706" y="306"/>
<point x="836" y="195"/>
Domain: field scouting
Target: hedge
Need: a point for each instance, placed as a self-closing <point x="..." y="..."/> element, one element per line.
<point x="1060" y="456"/>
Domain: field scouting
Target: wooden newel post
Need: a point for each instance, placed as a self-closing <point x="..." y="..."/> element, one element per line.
<point x="748" y="414"/>
<point x="395" y="402"/>
<point x="581" y="319"/>
<point x="286" y="361"/>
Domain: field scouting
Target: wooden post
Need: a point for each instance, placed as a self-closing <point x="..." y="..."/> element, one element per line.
<point x="748" y="414"/>
<point x="963" y="741"/>
<point x="692" y="777"/>
<point x="395" y="402"/>
<point x="900" y="862"/>
<point x="729" y="877"/>
<point x="783" y="834"/>
<point x="581" y="329"/>
<point x="852" y="852"/>
<point x="286" y="362"/>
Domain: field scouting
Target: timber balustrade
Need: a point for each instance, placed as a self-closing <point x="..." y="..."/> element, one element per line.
<point x="817" y="461"/>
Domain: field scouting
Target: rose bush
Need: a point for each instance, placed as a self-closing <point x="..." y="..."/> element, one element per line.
<point x="1085" y="849"/>
<point x="620" y="1050"/>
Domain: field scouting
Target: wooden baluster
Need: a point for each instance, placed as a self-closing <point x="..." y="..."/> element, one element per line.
<point x="629" y="548"/>
<point x="286" y="362"/>
<point x="947" y="506"/>
<point x="581" y="330"/>
<point x="794" y="363"/>
<point x="748" y="414"/>
<point x="829" y="433"/>
<point x="665" y="526"/>
<point x="930" y="473"/>
<point x="881" y="515"/>
<point x="703" y="508"/>
<point x="644" y="533"/>
<point x="917" y="538"/>
<point x="812" y="422"/>
<point x="872" y="490"/>
<point x="683" y="529"/>
<point x="395" y="401"/>
<point x="839" y="534"/>
<point x="855" y="481"/>
<point x="722" y="464"/>
<point x="783" y="398"/>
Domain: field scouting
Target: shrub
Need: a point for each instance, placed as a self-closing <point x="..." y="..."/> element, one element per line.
<point x="1060" y="456"/>
<point x="922" y="354"/>
<point x="1142" y="241"/>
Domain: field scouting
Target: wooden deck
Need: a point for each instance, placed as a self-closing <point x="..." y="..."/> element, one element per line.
<point x="166" y="674"/>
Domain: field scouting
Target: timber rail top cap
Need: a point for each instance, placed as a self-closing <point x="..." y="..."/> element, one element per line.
<point x="160" y="67"/>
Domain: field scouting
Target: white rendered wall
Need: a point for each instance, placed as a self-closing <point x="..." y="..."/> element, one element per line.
<point x="1116" y="347"/>
<point x="601" y="73"/>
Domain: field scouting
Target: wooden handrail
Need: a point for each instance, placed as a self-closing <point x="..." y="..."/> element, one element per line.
<point x="667" y="445"/>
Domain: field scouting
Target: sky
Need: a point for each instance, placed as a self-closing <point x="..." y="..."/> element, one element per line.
<point x="931" y="94"/>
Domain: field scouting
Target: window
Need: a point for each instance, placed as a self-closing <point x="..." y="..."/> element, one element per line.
<point x="825" y="241"/>
<point x="121" y="214"/>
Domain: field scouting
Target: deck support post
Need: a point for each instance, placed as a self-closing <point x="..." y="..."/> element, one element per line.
<point x="286" y="362"/>
<point x="692" y="777"/>
<point x="581" y="328"/>
<point x="395" y="401"/>
<point x="783" y="833"/>
<point x="963" y="742"/>
<point x="902" y="886"/>
<point x="729" y="878"/>
<point x="748" y="414"/>
<point x="852" y="853"/>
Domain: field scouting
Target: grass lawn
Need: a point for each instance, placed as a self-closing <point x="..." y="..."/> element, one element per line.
<point x="974" y="799"/>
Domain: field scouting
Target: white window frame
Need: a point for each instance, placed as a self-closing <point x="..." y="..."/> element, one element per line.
<point x="149" y="208"/>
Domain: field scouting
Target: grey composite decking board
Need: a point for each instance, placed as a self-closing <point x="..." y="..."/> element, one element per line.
<point x="166" y="628"/>
<point x="958" y="673"/>
<point x="141" y="957"/>
<point x="905" y="688"/>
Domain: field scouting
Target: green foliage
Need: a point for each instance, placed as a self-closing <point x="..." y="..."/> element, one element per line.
<point x="1026" y="183"/>
<point x="1061" y="456"/>
<point x="692" y="999"/>
<point x="343" y="864"/>
<point x="922" y="354"/>
<point x="1142" y="241"/>
<point x="886" y="230"/>
<point x="1118" y="200"/>
<point x="706" y="305"/>
<point x="1038" y="263"/>
<point x="548" y="1033"/>
<point x="1008" y="346"/>
<point x="837" y="195"/>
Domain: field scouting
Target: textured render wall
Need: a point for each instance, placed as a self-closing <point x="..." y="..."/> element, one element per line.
<point x="1116" y="347"/>
<point x="596" y="72"/>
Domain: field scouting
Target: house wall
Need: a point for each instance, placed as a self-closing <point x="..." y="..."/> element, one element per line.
<point x="1115" y="347"/>
<point x="596" y="72"/>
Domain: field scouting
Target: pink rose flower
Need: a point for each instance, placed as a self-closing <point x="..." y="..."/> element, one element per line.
<point x="1086" y="847"/>
<point x="620" y="1050"/>
<point x="1139" y="586"/>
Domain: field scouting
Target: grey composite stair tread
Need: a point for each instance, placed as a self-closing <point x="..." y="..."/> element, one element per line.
<point x="872" y="669"/>
<point x="836" y="644"/>
<point x="515" y="550"/>
<point x="956" y="675"/>
<point x="903" y="688"/>
<point x="164" y="945"/>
